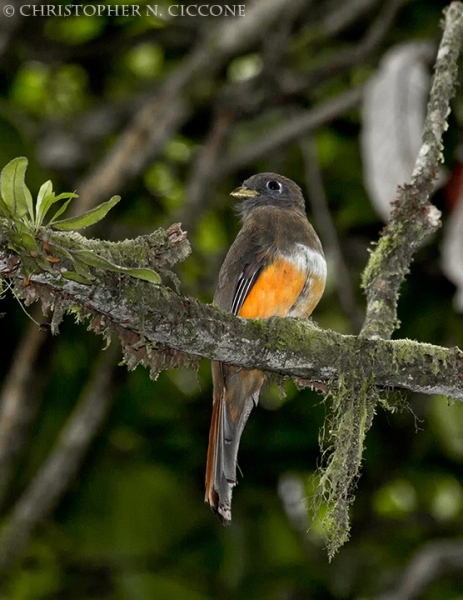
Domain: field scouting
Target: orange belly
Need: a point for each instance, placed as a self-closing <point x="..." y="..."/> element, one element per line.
<point x="275" y="291"/>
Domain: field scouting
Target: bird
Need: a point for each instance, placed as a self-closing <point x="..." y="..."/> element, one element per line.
<point x="275" y="267"/>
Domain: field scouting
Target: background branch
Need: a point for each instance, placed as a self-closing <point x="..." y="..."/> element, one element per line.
<point x="164" y="114"/>
<point x="54" y="476"/>
<point x="19" y="402"/>
<point x="293" y="129"/>
<point x="327" y="231"/>
<point x="428" y="564"/>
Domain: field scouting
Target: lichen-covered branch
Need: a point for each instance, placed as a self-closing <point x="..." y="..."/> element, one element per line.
<point x="151" y="317"/>
<point x="413" y="217"/>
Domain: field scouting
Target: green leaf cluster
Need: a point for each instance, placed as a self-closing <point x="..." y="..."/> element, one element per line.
<point x="16" y="202"/>
<point x="28" y="219"/>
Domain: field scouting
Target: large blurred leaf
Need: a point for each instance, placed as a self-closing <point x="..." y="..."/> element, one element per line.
<point x="452" y="249"/>
<point x="393" y="115"/>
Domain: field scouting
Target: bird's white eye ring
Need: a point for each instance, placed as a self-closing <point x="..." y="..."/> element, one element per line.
<point x="274" y="186"/>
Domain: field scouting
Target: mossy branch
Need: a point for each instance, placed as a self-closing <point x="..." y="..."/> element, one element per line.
<point x="414" y="217"/>
<point x="149" y="317"/>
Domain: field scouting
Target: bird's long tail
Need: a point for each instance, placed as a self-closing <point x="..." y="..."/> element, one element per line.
<point x="235" y="394"/>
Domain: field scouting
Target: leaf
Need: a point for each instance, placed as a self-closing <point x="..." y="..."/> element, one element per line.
<point x="89" y="218"/>
<point x="16" y="239"/>
<point x="60" y="211"/>
<point x="64" y="195"/>
<point x="13" y="190"/>
<point x="79" y="265"/>
<point x="21" y="227"/>
<point x="393" y="114"/>
<point x="76" y="277"/>
<point x="46" y="189"/>
<point x="452" y="252"/>
<point x="44" y="264"/>
<point x="46" y="203"/>
<point x="12" y="246"/>
<point x="4" y="210"/>
<point x="141" y="273"/>
<point x="82" y="268"/>
<point x="95" y="260"/>
<point x="28" y="241"/>
<point x="51" y="199"/>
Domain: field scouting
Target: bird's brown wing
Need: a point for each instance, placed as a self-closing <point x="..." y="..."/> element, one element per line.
<point x="246" y="279"/>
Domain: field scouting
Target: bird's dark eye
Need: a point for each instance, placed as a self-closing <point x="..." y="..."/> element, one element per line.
<point x="274" y="186"/>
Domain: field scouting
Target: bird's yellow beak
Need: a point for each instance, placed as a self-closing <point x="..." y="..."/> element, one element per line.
<point x="244" y="192"/>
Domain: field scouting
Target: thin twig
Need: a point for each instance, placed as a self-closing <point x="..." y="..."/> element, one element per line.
<point x="203" y="173"/>
<point x="346" y="14"/>
<point x="291" y="130"/>
<point x="327" y="231"/>
<point x="294" y="85"/>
